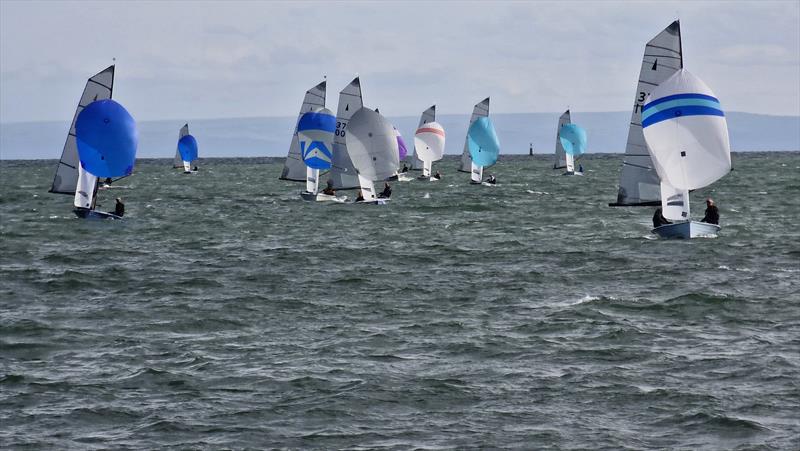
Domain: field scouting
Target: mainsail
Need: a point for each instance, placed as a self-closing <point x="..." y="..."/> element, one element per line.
<point x="561" y="156"/>
<point x="177" y="162"/>
<point x="342" y="173"/>
<point x="428" y="115"/>
<point x="98" y="87"/>
<point x="481" y="110"/>
<point x="293" y="167"/>
<point x="639" y="183"/>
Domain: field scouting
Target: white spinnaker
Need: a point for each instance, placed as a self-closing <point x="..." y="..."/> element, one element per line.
<point x="343" y="173"/>
<point x="674" y="203"/>
<point x="177" y="162"/>
<point x="426" y="168"/>
<point x="98" y="87"/>
<point x="293" y="168"/>
<point x="639" y="183"/>
<point x="367" y="187"/>
<point x="689" y="151"/>
<point x="429" y="141"/>
<point x="561" y="155"/>
<point x="312" y="180"/>
<point x="372" y="145"/>
<point x="428" y="115"/>
<point x="85" y="189"/>
<point x="481" y="110"/>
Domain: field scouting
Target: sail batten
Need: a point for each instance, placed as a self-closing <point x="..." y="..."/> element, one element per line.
<point x="639" y="183"/>
<point x="293" y="168"/>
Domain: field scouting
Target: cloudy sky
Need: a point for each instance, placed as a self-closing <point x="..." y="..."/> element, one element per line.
<point x="193" y="59"/>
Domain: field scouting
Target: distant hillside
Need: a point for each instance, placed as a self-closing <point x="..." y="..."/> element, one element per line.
<point x="250" y="137"/>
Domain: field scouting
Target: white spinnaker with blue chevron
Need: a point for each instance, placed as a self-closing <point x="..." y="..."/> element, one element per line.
<point x="343" y="173"/>
<point x="663" y="56"/>
<point x="177" y="162"/>
<point x="481" y="109"/>
<point x="293" y="168"/>
<point x="686" y="133"/>
<point x="428" y="115"/>
<point x="315" y="137"/>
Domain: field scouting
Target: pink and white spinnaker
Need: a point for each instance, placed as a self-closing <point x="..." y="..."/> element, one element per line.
<point x="429" y="142"/>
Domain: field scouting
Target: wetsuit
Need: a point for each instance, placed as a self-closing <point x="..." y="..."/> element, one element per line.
<point x="119" y="209"/>
<point x="712" y="215"/>
<point x="659" y="219"/>
<point x="386" y="193"/>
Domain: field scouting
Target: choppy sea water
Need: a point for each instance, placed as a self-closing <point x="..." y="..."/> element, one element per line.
<point x="224" y="312"/>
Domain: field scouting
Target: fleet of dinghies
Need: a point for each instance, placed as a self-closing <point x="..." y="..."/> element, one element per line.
<point x="677" y="142"/>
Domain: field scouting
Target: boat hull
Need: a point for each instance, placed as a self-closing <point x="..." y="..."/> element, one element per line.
<point x="85" y="213"/>
<point x="686" y="230"/>
<point x="321" y="197"/>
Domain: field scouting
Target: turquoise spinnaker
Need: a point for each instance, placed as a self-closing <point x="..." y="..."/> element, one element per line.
<point x="573" y="139"/>
<point x="484" y="147"/>
<point x="187" y="146"/>
<point x="106" y="137"/>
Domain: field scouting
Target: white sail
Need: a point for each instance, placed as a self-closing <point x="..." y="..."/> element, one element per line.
<point x="428" y="115"/>
<point x="674" y="203"/>
<point x="561" y="155"/>
<point x="481" y="110"/>
<point x="342" y="173"/>
<point x="177" y="162"/>
<point x="429" y="141"/>
<point x="367" y="187"/>
<point x="293" y="168"/>
<point x="99" y="87"/>
<point x="426" y="168"/>
<point x="686" y="133"/>
<point x="476" y="173"/>
<point x="312" y="180"/>
<point x="85" y="189"/>
<point x="372" y="145"/>
<point x="569" y="162"/>
<point x="639" y="183"/>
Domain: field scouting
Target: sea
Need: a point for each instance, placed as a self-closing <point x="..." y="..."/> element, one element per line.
<point x="223" y="312"/>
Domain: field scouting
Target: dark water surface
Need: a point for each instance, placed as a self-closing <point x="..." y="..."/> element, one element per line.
<point x="225" y="312"/>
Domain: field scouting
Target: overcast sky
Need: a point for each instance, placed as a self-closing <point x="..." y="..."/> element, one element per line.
<point x="192" y="59"/>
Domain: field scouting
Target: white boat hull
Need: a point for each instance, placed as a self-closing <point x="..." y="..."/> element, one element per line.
<point x="688" y="229"/>
<point x="320" y="197"/>
<point x="85" y="213"/>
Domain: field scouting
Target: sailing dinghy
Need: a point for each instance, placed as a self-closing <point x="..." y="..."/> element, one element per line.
<point x="687" y="137"/>
<point x="373" y="149"/>
<point x="178" y="162"/>
<point x="638" y="183"/>
<point x="187" y="150"/>
<point x="481" y="109"/>
<point x="561" y="156"/>
<point x="315" y="139"/>
<point x="428" y="115"/>
<point x="572" y="138"/>
<point x="484" y="148"/>
<point x="343" y="174"/>
<point x="293" y="168"/>
<point x="402" y="154"/>
<point x="429" y="142"/>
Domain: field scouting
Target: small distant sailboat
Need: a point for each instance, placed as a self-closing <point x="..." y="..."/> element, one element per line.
<point x="403" y="153"/>
<point x="572" y="138"/>
<point x="484" y="148"/>
<point x="343" y="174"/>
<point x="638" y="182"/>
<point x="561" y="156"/>
<point x="428" y="115"/>
<point x="186" y="152"/>
<point x="293" y="168"/>
<point x="373" y="149"/>
<point x="481" y="109"/>
<point x="315" y="138"/>
<point x="687" y="136"/>
<point x="429" y="142"/>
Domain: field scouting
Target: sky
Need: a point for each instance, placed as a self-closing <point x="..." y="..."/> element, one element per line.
<point x="188" y="60"/>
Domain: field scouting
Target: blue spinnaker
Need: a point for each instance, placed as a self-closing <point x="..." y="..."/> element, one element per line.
<point x="106" y="136"/>
<point x="484" y="147"/>
<point x="315" y="135"/>
<point x="187" y="146"/>
<point x="573" y="139"/>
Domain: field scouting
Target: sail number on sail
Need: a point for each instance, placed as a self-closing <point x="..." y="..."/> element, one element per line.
<point x="340" y="126"/>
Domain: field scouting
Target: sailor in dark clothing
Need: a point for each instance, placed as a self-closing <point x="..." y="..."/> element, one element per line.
<point x="387" y="191"/>
<point x="329" y="189"/>
<point x="659" y="219"/>
<point x="360" y="197"/>
<point x="712" y="212"/>
<point x="438" y="175"/>
<point x="405" y="168"/>
<point x="119" y="208"/>
<point x="580" y="168"/>
<point x="107" y="181"/>
<point x="491" y="180"/>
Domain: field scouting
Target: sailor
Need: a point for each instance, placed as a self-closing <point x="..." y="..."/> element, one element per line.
<point x="387" y="191"/>
<point x="405" y="168"/>
<point x="712" y="212"/>
<point x="659" y="219"/>
<point x="195" y="169"/>
<point x="329" y="189"/>
<point x="360" y="197"/>
<point x="438" y="175"/>
<point x="580" y="167"/>
<point x="119" y="208"/>
<point x="491" y="180"/>
<point x="107" y="181"/>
